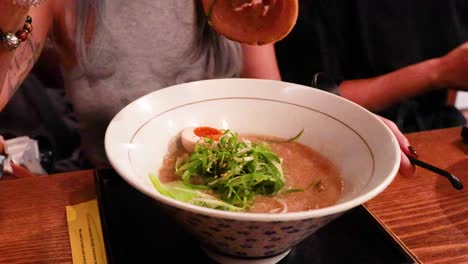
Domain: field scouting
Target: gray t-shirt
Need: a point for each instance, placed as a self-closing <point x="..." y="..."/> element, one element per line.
<point x="142" y="46"/>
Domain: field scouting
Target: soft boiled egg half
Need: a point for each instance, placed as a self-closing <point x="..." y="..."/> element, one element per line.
<point x="192" y="135"/>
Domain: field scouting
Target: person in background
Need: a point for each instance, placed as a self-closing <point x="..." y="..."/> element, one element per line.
<point x="113" y="52"/>
<point x="396" y="58"/>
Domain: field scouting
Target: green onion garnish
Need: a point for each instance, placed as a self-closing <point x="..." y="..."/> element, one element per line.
<point x="227" y="174"/>
<point x="235" y="170"/>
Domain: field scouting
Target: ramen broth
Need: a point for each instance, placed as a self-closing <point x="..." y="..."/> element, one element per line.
<point x="311" y="180"/>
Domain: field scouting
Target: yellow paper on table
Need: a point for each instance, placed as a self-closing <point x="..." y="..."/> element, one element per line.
<point x="86" y="239"/>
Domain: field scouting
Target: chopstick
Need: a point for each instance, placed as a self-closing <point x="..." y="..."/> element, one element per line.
<point x="456" y="183"/>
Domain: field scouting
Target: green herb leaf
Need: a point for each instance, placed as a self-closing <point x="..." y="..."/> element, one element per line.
<point x="287" y="140"/>
<point x="235" y="170"/>
<point x="296" y="136"/>
<point x="178" y="191"/>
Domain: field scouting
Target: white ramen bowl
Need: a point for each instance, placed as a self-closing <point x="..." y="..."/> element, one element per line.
<point x="363" y="148"/>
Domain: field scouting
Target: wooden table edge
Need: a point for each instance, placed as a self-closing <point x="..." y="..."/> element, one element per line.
<point x="394" y="236"/>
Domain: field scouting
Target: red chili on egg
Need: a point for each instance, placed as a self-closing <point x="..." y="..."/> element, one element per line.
<point x="210" y="132"/>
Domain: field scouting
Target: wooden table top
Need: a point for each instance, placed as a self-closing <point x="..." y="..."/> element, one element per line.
<point x="33" y="224"/>
<point x="423" y="212"/>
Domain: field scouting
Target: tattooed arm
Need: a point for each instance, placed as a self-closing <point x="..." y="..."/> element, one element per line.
<point x="15" y="65"/>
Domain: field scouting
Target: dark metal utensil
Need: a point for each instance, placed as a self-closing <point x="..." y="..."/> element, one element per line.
<point x="325" y="82"/>
<point x="456" y="183"/>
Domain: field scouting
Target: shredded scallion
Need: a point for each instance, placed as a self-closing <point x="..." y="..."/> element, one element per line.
<point x="235" y="170"/>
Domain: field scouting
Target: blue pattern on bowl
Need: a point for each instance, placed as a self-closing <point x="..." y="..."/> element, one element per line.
<point x="247" y="238"/>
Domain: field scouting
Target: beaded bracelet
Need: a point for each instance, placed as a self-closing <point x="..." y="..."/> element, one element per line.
<point x="12" y="41"/>
<point x="27" y="2"/>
